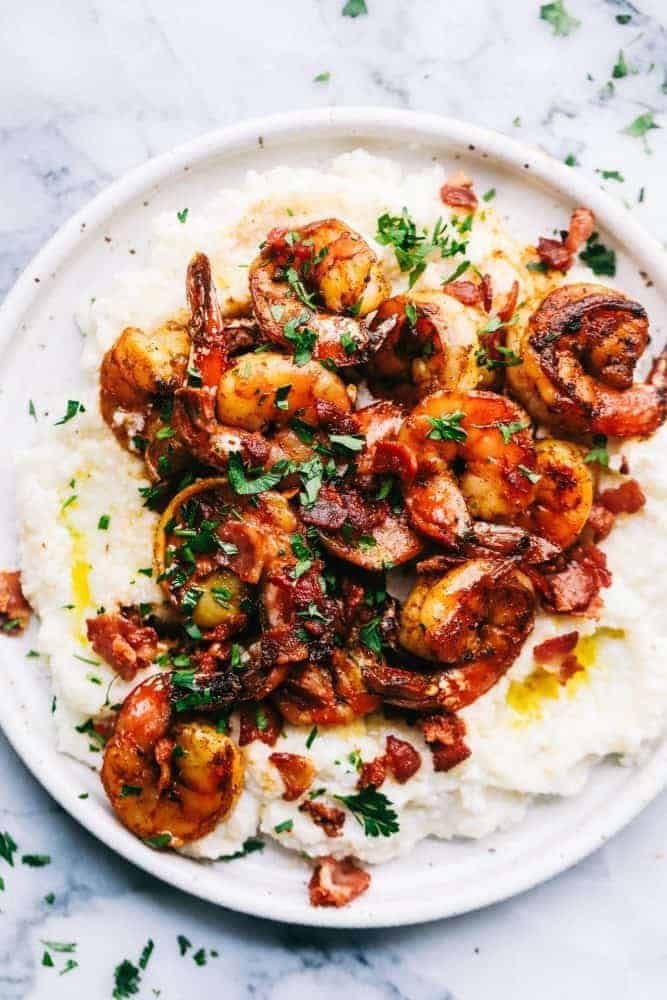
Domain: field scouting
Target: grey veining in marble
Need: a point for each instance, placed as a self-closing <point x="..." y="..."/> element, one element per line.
<point x="90" y="88"/>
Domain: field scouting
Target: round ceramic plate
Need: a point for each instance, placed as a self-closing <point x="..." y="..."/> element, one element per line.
<point x="40" y="351"/>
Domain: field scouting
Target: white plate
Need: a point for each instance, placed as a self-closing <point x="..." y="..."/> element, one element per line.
<point x="40" y="351"/>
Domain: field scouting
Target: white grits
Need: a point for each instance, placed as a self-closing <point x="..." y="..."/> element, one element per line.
<point x="523" y="745"/>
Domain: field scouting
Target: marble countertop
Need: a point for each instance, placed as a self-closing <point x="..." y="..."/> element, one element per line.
<point x="89" y="89"/>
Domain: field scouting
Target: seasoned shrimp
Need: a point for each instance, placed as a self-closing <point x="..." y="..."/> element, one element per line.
<point x="475" y="459"/>
<point x="474" y="619"/>
<point x="428" y="339"/>
<point x="207" y="332"/>
<point x="579" y="350"/>
<point x="136" y="370"/>
<point x="268" y="389"/>
<point x="563" y="494"/>
<point x="327" y="696"/>
<point x="165" y="776"/>
<point x="311" y="286"/>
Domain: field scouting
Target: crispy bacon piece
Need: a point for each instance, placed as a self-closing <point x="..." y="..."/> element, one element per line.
<point x="466" y="292"/>
<point x="336" y="883"/>
<point x="14" y="609"/>
<point x="582" y="223"/>
<point x="600" y="521"/>
<point x="558" y="255"/>
<point x="259" y="721"/>
<point x="394" y="458"/>
<point x="445" y="734"/>
<point x="487" y="292"/>
<point x="627" y="498"/>
<point x="559" y="652"/>
<point x="506" y="310"/>
<point x="552" y="649"/>
<point x="373" y="773"/>
<point x="575" y="588"/>
<point x="554" y="254"/>
<point x="403" y="760"/>
<point x="329" y="818"/>
<point x="125" y="645"/>
<point x="459" y="196"/>
<point x="297" y="773"/>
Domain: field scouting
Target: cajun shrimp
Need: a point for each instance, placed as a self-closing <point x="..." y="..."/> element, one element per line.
<point x="311" y="286"/>
<point x="475" y="458"/>
<point x="168" y="774"/>
<point x="579" y="350"/>
<point x="427" y="339"/>
<point x="563" y="493"/>
<point x="331" y="695"/>
<point x="474" y="619"/>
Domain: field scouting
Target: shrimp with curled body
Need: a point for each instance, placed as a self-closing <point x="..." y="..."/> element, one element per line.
<point x="166" y="773"/>
<point x="563" y="493"/>
<point x="317" y="282"/>
<point x="579" y="351"/>
<point x="475" y="459"/>
<point x="474" y="620"/>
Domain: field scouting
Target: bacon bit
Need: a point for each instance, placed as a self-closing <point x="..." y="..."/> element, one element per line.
<point x="336" y="883"/>
<point x="395" y="459"/>
<point x="329" y="818"/>
<point x="582" y="223"/>
<point x="624" y="467"/>
<point x="404" y="761"/>
<point x="297" y="773"/>
<point x="466" y="292"/>
<point x="575" y="589"/>
<point x="554" y="254"/>
<point x="568" y="668"/>
<point x="627" y="498"/>
<point x="487" y="292"/>
<point x="506" y="310"/>
<point x="250" y="728"/>
<point x="14" y="609"/>
<point x="459" y="196"/>
<point x="445" y="735"/>
<point x="600" y="521"/>
<point x="552" y="649"/>
<point x="282" y="252"/>
<point x="373" y="773"/>
<point x="125" y="645"/>
<point x="164" y="748"/>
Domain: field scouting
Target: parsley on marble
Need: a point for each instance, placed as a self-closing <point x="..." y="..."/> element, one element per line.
<point x="556" y="15"/>
<point x="322" y="77"/>
<point x="620" y="67"/>
<point x="353" y="8"/>
<point x="182" y="215"/>
<point x="641" y="125"/>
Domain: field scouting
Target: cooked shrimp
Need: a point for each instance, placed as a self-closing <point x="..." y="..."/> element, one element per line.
<point x="579" y="350"/>
<point x="327" y="696"/>
<point x="137" y="369"/>
<point x="312" y="284"/>
<point x="563" y="494"/>
<point x="428" y="339"/>
<point x="474" y="619"/>
<point x="207" y="332"/>
<point x="264" y="390"/>
<point x="166" y="777"/>
<point x="475" y="459"/>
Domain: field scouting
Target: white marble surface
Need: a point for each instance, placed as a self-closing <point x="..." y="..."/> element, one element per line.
<point x="90" y="88"/>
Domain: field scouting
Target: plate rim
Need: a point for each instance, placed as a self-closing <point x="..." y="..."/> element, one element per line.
<point x="651" y="777"/>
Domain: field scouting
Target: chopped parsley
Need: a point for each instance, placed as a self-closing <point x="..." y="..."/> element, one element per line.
<point x="610" y="175"/>
<point x="620" y="67"/>
<point x="598" y="453"/>
<point x="160" y="840"/>
<point x="50" y="898"/>
<point x="448" y="428"/>
<point x="127" y="791"/>
<point x="555" y="14"/>
<point x="348" y="343"/>
<point x="47" y="961"/>
<point x="126" y="980"/>
<point x="348" y="442"/>
<point x="571" y="160"/>
<point x="370" y="636"/>
<point x="245" y="486"/>
<point x="66" y="947"/>
<point x="146" y="953"/>
<point x="412" y="248"/>
<point x="31" y="409"/>
<point x="312" y="736"/>
<point x="353" y="8"/>
<point x="73" y="407"/>
<point x="311" y="474"/>
<point x="36" y="860"/>
<point x="285" y="826"/>
<point x="508" y="430"/>
<point x="600" y="259"/>
<point x="640" y="126"/>
<point x="103" y="522"/>
<point x="298" y="288"/>
<point x="199" y="957"/>
<point x="280" y="399"/>
<point x="296" y="331"/>
<point x="623" y="18"/>
<point x="250" y="845"/>
<point x="8" y="848"/>
<point x="183" y="944"/>
<point x="322" y="77"/>
<point x="532" y="477"/>
<point x="373" y="810"/>
<point x="182" y="215"/>
<point x="463" y="266"/>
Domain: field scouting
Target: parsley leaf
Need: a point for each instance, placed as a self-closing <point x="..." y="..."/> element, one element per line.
<point x="297" y="332"/>
<point x="8" y="848"/>
<point x="373" y="810"/>
<point x="126" y="979"/>
<point x="353" y="8"/>
<point x="448" y="428"/>
<point x="74" y="407"/>
<point x="507" y="430"/>
<point x="250" y="845"/>
<point x="322" y="77"/>
<point x="598" y="452"/>
<point x="241" y="484"/>
<point x="600" y="259"/>
<point x="285" y="826"/>
<point x="412" y="248"/>
<point x="36" y="860"/>
<point x="370" y="635"/>
<point x="532" y="477"/>
<point x="555" y="14"/>
<point x="620" y="67"/>
<point x="641" y="125"/>
<point x="182" y="215"/>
